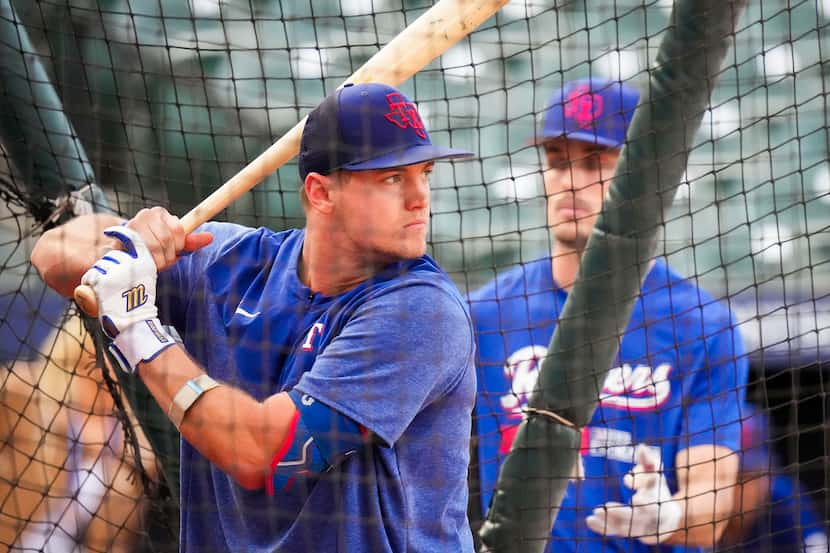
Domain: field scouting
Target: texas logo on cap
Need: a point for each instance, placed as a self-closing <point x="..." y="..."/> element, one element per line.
<point x="403" y="113"/>
<point x="583" y="105"/>
<point x="594" y="110"/>
<point x="367" y="126"/>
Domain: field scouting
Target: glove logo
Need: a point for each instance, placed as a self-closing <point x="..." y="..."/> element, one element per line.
<point x="135" y="297"/>
<point x="403" y="114"/>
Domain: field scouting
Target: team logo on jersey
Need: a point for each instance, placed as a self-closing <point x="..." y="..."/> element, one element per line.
<point x="583" y="106"/>
<point x="612" y="443"/>
<point x="638" y="388"/>
<point x="522" y="370"/>
<point x="316" y="330"/>
<point x="404" y="114"/>
<point x="135" y="297"/>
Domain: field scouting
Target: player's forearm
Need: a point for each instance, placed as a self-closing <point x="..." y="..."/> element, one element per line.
<point x="237" y="433"/>
<point x="706" y="495"/>
<point x="705" y="518"/>
<point x="64" y="253"/>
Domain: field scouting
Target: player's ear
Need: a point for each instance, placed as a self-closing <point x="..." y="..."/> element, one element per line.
<point x="318" y="194"/>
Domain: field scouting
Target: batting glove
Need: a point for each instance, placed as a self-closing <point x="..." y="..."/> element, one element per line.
<point x="125" y="287"/>
<point x="653" y="516"/>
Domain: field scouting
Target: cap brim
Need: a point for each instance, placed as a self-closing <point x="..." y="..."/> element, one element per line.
<point x="409" y="156"/>
<point x="580" y="136"/>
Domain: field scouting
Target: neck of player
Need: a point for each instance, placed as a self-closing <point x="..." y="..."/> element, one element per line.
<point x="330" y="265"/>
<point x="565" y="263"/>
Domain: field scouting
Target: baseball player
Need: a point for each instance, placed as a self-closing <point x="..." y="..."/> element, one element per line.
<point x="326" y="379"/>
<point x="659" y="450"/>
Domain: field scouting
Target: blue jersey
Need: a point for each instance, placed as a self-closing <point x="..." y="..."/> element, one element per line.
<point x="678" y="382"/>
<point x="395" y="355"/>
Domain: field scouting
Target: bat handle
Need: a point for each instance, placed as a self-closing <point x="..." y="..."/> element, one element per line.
<point x="86" y="300"/>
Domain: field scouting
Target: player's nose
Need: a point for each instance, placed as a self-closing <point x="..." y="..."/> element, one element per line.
<point x="581" y="179"/>
<point x="417" y="192"/>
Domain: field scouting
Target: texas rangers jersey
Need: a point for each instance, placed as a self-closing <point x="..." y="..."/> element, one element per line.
<point x="678" y="382"/>
<point x="394" y="354"/>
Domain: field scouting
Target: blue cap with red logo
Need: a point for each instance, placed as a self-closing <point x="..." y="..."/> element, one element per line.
<point x="591" y="110"/>
<point x="366" y="126"/>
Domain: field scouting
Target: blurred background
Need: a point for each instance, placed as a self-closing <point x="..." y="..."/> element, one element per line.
<point x="169" y="98"/>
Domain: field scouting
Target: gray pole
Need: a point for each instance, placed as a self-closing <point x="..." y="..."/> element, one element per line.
<point x="35" y="131"/>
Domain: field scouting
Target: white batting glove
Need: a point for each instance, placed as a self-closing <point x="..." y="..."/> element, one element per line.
<point x="816" y="543"/>
<point x="125" y="287"/>
<point x="653" y="516"/>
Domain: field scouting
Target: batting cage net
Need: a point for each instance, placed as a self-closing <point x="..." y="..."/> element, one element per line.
<point x="714" y="377"/>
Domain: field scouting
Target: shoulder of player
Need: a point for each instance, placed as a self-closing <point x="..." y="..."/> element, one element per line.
<point x="422" y="309"/>
<point x="687" y="300"/>
<point x="430" y="291"/>
<point x="429" y="294"/>
<point x="231" y="237"/>
<point x="516" y="282"/>
<point x="510" y="292"/>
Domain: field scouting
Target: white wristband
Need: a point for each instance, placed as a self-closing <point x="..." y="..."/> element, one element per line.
<point x="187" y="396"/>
<point x="139" y="342"/>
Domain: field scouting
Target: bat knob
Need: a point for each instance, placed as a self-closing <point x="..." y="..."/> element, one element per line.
<point x="86" y="300"/>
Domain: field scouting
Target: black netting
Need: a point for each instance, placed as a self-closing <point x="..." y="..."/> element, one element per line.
<point x="159" y="102"/>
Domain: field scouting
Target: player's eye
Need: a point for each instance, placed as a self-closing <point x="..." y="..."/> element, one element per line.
<point x="393" y="179"/>
<point x="592" y="162"/>
<point x="557" y="161"/>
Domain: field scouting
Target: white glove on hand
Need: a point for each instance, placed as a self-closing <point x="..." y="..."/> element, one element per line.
<point x="125" y="287"/>
<point x="653" y="516"/>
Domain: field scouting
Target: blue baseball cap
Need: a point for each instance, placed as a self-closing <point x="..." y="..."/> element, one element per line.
<point x="591" y="110"/>
<point x="366" y="126"/>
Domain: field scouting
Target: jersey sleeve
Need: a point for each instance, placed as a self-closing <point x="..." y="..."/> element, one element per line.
<point x="398" y="353"/>
<point x="717" y="389"/>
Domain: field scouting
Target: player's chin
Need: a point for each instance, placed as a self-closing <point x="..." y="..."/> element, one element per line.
<point x="563" y="230"/>
<point x="412" y="247"/>
<point x="416" y="251"/>
<point x="571" y="233"/>
<point x="399" y="250"/>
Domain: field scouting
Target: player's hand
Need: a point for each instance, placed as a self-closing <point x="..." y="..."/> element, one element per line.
<point x="164" y="236"/>
<point x="653" y="516"/>
<point x="124" y="282"/>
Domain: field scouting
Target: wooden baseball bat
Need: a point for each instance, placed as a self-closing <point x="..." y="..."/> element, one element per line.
<point x="429" y="36"/>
